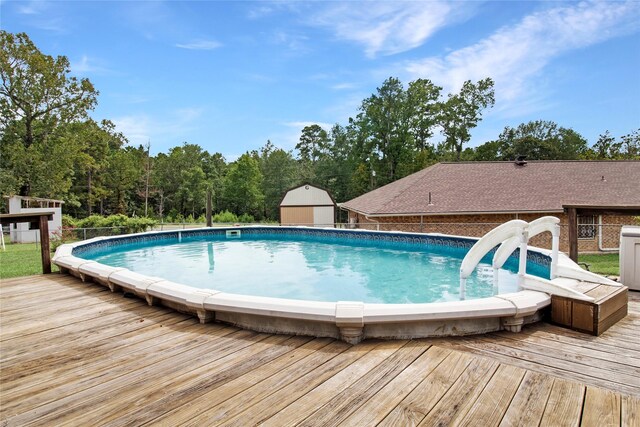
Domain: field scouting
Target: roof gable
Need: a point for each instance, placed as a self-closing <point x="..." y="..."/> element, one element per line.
<point x="307" y="195"/>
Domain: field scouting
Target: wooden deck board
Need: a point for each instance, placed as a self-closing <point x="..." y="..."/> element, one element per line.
<point x="73" y="353"/>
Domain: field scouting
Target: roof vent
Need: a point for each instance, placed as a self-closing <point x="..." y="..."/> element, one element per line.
<point x="521" y="160"/>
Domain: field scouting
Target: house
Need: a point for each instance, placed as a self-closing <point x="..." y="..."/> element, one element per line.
<point x="471" y="198"/>
<point x="308" y="204"/>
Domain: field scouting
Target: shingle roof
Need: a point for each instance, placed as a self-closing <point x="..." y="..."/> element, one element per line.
<point x="537" y="186"/>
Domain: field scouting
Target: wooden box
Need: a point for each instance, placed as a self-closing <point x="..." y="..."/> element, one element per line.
<point x="594" y="318"/>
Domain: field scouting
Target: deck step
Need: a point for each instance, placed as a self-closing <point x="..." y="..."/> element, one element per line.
<point x="609" y="306"/>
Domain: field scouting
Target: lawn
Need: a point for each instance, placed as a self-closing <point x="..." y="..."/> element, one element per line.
<point x="21" y="260"/>
<point x="606" y="264"/>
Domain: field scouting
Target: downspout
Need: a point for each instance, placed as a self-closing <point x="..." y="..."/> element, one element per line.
<point x="377" y="223"/>
<point x="600" y="247"/>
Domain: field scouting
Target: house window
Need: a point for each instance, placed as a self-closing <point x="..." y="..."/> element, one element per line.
<point x="586" y="227"/>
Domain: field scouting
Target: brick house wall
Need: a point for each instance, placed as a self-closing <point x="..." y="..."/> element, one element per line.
<point x="478" y="225"/>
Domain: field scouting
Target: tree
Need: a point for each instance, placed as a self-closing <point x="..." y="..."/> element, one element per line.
<point x="605" y="146"/>
<point x="36" y="96"/>
<point x="461" y="112"/>
<point x="312" y="148"/>
<point x="96" y="143"/>
<point x="192" y="191"/>
<point x="176" y="174"/>
<point x="279" y="171"/>
<point x="123" y="173"/>
<point x="313" y="143"/>
<point x="384" y="127"/>
<point x="215" y="168"/>
<point x="423" y="96"/>
<point x="630" y="144"/>
<point x="538" y="140"/>
<point x="243" y="187"/>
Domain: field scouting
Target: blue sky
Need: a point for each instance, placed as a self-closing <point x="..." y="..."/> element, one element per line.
<point x="231" y="75"/>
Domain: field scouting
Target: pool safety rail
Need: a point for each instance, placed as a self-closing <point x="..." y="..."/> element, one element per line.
<point x="351" y="321"/>
<point x="516" y="234"/>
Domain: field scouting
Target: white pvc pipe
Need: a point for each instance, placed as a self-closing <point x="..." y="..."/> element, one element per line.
<point x="600" y="244"/>
<point x="555" y="249"/>
<point x="487" y="242"/>
<point x="463" y="287"/>
<point x="522" y="267"/>
<point x="504" y="251"/>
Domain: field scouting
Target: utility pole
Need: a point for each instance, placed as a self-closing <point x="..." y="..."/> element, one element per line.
<point x="209" y="207"/>
<point x="146" y="187"/>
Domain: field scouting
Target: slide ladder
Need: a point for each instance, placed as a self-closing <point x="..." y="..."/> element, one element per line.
<point x="516" y="234"/>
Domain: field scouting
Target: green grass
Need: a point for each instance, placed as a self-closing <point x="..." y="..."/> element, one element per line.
<point x="607" y="264"/>
<point x="21" y="259"/>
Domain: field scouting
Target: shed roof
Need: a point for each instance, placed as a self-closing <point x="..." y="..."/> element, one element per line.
<point x="307" y="195"/>
<point x="504" y="187"/>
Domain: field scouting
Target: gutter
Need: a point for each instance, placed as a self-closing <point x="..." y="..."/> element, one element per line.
<point x="377" y="215"/>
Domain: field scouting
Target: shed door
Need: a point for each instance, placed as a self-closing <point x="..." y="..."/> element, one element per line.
<point x="296" y="215"/>
<point x="323" y="216"/>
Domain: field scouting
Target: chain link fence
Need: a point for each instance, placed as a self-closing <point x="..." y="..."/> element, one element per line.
<point x="593" y="237"/>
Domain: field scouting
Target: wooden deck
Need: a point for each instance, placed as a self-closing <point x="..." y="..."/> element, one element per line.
<point x="76" y="354"/>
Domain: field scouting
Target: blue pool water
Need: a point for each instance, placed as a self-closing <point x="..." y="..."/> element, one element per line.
<point x="310" y="268"/>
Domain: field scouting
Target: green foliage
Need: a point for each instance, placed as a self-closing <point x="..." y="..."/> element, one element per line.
<point x="243" y="187"/>
<point x="122" y="222"/>
<point x="538" y="140"/>
<point x="246" y="219"/>
<point x="607" y="147"/>
<point x="313" y="143"/>
<point x="182" y="178"/>
<point x="62" y="236"/>
<point x="38" y="96"/>
<point x="224" y="217"/>
<point x="68" y="221"/>
<point x="461" y="112"/>
<point x="280" y="173"/>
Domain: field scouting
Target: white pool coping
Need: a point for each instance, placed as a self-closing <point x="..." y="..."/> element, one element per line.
<point x="351" y="321"/>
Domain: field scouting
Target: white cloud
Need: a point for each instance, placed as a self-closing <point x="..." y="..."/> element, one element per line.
<point x="389" y="27"/>
<point x="515" y="55"/>
<point x="163" y="132"/>
<point x="87" y="65"/>
<point x="200" y="45"/>
<point x="293" y="42"/>
<point x="32" y="7"/>
<point x="343" y="86"/>
<point x="43" y="15"/>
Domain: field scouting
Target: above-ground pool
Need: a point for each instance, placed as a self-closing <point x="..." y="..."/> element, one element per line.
<point x="313" y="267"/>
<point x="326" y="282"/>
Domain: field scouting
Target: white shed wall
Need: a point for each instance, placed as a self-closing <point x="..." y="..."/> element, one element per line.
<point x="323" y="216"/>
<point x="21" y="233"/>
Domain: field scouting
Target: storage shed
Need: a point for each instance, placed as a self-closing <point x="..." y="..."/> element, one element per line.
<point x="309" y="205"/>
<point x="22" y="233"/>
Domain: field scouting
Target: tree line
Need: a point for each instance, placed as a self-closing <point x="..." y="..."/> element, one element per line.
<point x="51" y="147"/>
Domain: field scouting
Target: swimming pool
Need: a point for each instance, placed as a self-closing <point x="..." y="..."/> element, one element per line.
<point x="347" y="284"/>
<point x="312" y="267"/>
